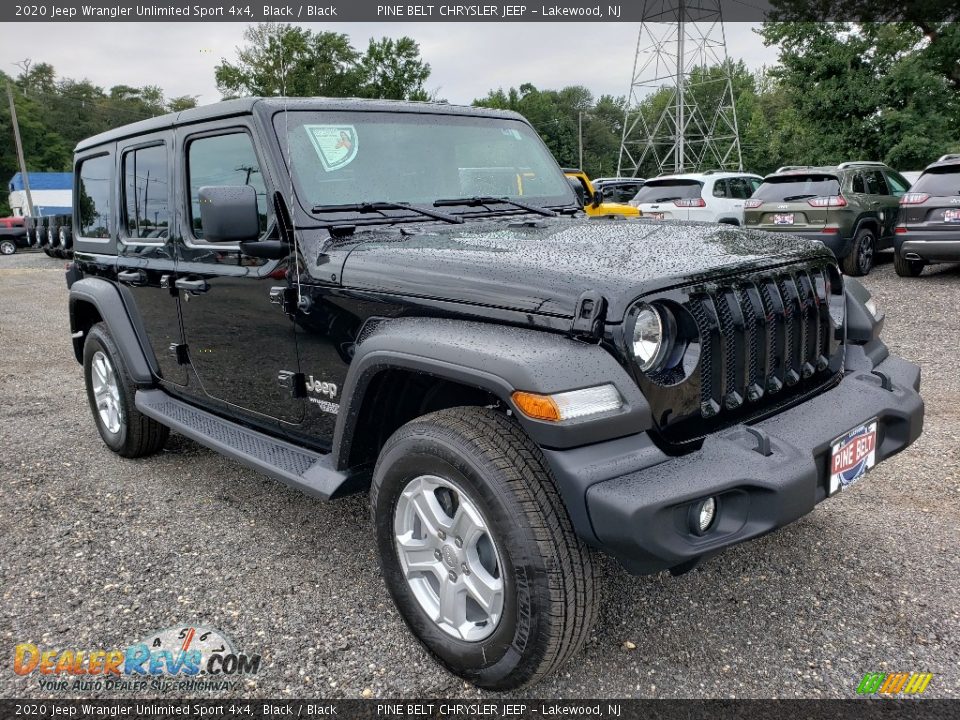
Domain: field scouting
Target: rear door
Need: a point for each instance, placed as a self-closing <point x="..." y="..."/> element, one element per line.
<point x="884" y="203"/>
<point x="146" y="252"/>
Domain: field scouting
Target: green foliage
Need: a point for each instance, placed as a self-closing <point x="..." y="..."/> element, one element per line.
<point x="556" y="115"/>
<point x="54" y="114"/>
<point x="880" y="91"/>
<point x="289" y="60"/>
<point x="884" y="91"/>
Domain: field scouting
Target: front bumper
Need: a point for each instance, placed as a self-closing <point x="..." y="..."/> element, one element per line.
<point x="641" y="517"/>
<point x="929" y="245"/>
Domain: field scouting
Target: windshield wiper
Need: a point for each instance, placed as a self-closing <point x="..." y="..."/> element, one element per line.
<point x="797" y="197"/>
<point x="489" y="200"/>
<point x="381" y="205"/>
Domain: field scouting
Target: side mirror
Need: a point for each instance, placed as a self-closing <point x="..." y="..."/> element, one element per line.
<point x="597" y="198"/>
<point x="578" y="190"/>
<point x="229" y="213"/>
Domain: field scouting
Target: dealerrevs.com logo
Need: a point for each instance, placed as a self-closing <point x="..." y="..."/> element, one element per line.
<point x="894" y="683"/>
<point x="187" y="658"/>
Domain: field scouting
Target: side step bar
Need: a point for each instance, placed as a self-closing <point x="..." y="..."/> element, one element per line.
<point x="303" y="469"/>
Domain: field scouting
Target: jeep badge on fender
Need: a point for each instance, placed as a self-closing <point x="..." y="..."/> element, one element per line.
<point x="407" y="299"/>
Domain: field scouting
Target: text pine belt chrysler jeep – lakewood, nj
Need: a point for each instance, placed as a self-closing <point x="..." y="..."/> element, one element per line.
<point x="407" y="299"/>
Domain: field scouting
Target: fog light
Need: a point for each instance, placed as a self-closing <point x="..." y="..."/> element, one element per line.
<point x="702" y="515"/>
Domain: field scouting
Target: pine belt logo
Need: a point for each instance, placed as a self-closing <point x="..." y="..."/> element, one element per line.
<point x="894" y="683"/>
<point x="192" y="658"/>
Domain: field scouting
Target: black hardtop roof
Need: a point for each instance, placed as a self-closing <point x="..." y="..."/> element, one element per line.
<point x="246" y="106"/>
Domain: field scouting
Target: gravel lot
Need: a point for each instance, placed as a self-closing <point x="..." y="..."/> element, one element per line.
<point x="97" y="551"/>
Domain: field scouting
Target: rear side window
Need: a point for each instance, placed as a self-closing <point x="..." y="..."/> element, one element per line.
<point x="666" y="190"/>
<point x="740" y="188"/>
<point x="94" y="197"/>
<point x="621" y="192"/>
<point x="146" y="193"/>
<point x="875" y="183"/>
<point x="223" y="160"/>
<point x="939" y="182"/>
<point x="898" y="184"/>
<point x="787" y="188"/>
<point x="720" y="189"/>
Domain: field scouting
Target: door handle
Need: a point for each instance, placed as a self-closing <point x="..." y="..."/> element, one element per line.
<point x="192" y="286"/>
<point x="134" y="277"/>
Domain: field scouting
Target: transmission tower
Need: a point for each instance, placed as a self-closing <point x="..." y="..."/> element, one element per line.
<point x="680" y="113"/>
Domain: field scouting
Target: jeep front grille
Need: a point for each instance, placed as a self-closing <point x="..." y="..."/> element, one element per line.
<point x="762" y="335"/>
<point x="757" y="343"/>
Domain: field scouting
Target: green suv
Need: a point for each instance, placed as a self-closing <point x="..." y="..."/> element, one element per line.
<point x="852" y="208"/>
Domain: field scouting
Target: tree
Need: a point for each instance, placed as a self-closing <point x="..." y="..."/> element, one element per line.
<point x="294" y="61"/>
<point x="393" y="69"/>
<point x="870" y="91"/>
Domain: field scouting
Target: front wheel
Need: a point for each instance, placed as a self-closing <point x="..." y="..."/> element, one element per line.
<point x="477" y="548"/>
<point x="860" y="259"/>
<point x="907" y="268"/>
<point x="7" y="247"/>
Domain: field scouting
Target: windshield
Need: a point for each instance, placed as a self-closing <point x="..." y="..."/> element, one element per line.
<point x="797" y="187"/>
<point x="939" y="182"/>
<point x="345" y="158"/>
<point x="666" y="190"/>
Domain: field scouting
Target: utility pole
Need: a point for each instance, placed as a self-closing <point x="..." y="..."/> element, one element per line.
<point x="580" y="137"/>
<point x="16" y="137"/>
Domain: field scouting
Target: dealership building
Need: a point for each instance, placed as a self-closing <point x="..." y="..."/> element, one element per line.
<point x="50" y="191"/>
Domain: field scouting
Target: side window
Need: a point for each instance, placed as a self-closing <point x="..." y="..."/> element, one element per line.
<point x="858" y="184"/>
<point x="898" y="184"/>
<point x="146" y="193"/>
<point x="740" y="188"/>
<point x="93" y="196"/>
<point x="223" y="160"/>
<point x="720" y="188"/>
<point x="881" y="183"/>
<point x="754" y="184"/>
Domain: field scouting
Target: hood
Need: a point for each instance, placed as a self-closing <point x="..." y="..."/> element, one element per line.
<point x="543" y="267"/>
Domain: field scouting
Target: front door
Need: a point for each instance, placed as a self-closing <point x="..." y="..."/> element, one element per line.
<point x="146" y="251"/>
<point x="238" y="342"/>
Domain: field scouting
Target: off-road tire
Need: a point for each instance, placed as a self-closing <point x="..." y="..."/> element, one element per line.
<point x="862" y="255"/>
<point x="549" y="583"/>
<point x="907" y="268"/>
<point x="138" y="435"/>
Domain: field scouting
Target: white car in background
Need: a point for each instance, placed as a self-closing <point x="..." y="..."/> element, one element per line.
<point x="711" y="196"/>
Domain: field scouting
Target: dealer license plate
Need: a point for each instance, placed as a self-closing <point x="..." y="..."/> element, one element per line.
<point x="951" y="215"/>
<point x="783" y="219"/>
<point x="852" y="455"/>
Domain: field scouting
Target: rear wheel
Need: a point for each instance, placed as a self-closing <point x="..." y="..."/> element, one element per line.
<point x="7" y="247"/>
<point x="477" y="548"/>
<point x="907" y="268"/>
<point x="110" y="391"/>
<point x="860" y="259"/>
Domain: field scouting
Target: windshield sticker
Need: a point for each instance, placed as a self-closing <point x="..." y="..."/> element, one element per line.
<point x="336" y="145"/>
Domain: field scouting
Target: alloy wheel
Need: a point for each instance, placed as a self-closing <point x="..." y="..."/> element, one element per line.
<point x="106" y="391"/>
<point x="449" y="558"/>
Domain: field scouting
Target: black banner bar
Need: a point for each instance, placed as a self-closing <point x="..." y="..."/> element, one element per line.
<point x="431" y="709"/>
<point x="634" y="11"/>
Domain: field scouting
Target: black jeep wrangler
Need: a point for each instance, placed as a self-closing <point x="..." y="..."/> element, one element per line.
<point x="407" y="299"/>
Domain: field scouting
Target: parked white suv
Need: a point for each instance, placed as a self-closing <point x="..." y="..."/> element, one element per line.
<point x="711" y="196"/>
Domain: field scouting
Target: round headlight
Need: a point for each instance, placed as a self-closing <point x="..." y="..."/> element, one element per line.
<point x="648" y="342"/>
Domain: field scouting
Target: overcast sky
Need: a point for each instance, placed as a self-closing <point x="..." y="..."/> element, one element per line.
<point x="467" y="59"/>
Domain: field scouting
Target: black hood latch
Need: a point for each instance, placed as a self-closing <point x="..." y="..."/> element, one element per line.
<point x="588" y="318"/>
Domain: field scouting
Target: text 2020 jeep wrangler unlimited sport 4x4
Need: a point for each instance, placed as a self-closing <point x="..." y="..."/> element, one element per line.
<point x="406" y="298"/>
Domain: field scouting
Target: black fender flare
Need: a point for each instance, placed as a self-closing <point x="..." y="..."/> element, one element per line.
<point x="868" y="219"/>
<point x="105" y="297"/>
<point x="498" y="359"/>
